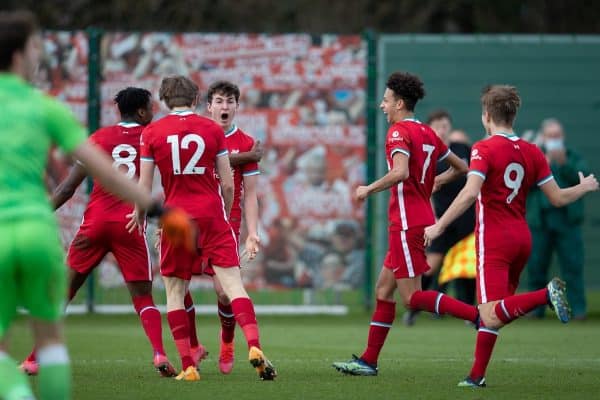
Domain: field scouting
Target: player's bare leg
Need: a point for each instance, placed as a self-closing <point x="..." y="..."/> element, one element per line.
<point x="54" y="380"/>
<point x="381" y="322"/>
<point x="141" y="297"/>
<point x="243" y="310"/>
<point x="178" y="322"/>
<point x="434" y="260"/>
<point x="226" y="316"/>
<point x="433" y="301"/>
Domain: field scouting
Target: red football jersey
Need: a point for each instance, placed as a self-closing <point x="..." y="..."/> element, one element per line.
<point x="239" y="142"/>
<point x="185" y="146"/>
<point x="510" y="167"/>
<point x="410" y="204"/>
<point x="122" y="143"/>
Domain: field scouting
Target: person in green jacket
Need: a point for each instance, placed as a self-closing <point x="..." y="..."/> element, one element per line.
<point x="558" y="228"/>
<point x="33" y="274"/>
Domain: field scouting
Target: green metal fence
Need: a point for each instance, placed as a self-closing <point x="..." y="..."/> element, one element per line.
<point x="557" y="76"/>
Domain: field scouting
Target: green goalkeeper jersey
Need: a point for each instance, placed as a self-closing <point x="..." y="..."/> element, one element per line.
<point x="30" y="123"/>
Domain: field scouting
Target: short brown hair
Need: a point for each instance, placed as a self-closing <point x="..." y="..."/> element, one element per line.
<point x="15" y="29"/>
<point x="438" y="114"/>
<point x="178" y="91"/>
<point x="224" y="88"/>
<point x="501" y="102"/>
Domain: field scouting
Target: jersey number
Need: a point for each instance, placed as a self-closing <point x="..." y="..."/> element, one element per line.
<point x="427" y="148"/>
<point x="127" y="161"/>
<point x="190" y="168"/>
<point x="516" y="170"/>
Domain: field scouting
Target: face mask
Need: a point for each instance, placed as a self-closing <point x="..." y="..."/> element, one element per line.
<point x="554" y="144"/>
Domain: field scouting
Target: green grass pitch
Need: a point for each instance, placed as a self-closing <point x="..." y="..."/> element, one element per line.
<point x="533" y="360"/>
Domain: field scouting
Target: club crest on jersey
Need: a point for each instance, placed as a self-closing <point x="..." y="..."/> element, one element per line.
<point x="396" y="137"/>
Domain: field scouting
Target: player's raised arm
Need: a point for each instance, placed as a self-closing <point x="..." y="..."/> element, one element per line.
<point x="561" y="197"/>
<point x="65" y="190"/>
<point x="225" y="180"/>
<point x="398" y="173"/>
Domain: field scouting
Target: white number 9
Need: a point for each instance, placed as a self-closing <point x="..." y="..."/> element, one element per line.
<point x="513" y="183"/>
<point x="127" y="160"/>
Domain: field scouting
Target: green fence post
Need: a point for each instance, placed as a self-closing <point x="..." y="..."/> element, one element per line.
<point x="371" y="109"/>
<point x="93" y="121"/>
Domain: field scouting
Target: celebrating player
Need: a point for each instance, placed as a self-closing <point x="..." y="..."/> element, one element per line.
<point x="503" y="170"/>
<point x="187" y="148"/>
<point x="412" y="151"/>
<point x="103" y="229"/>
<point x="32" y="271"/>
<point x="244" y="154"/>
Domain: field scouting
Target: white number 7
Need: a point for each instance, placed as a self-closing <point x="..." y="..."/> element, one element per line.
<point x="427" y="148"/>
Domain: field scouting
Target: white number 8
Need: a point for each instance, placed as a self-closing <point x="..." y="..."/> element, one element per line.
<point x="127" y="161"/>
<point x="514" y="184"/>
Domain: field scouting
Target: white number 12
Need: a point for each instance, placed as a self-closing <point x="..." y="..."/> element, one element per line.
<point x="190" y="168"/>
<point x="427" y="148"/>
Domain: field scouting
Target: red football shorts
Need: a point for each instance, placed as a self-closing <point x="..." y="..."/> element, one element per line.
<point x="95" y="239"/>
<point x="500" y="261"/>
<point x="217" y="245"/>
<point x="406" y="253"/>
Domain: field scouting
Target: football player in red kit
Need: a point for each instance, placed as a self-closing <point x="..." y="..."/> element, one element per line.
<point x="412" y="150"/>
<point x="189" y="151"/>
<point x="503" y="169"/>
<point x="244" y="154"/>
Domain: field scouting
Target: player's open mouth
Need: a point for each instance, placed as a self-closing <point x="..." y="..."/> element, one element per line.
<point x="224" y="116"/>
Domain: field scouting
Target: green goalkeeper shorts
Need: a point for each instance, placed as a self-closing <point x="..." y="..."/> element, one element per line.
<point x="33" y="274"/>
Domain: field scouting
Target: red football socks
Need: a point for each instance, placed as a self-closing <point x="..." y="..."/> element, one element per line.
<point x="150" y="318"/>
<point x="31" y="356"/>
<point x="190" y="310"/>
<point x="243" y="310"/>
<point x="178" y="322"/>
<point x="381" y="322"/>
<point x="486" y="338"/>
<point x="440" y="303"/>
<point x="518" y="305"/>
<point x="227" y="322"/>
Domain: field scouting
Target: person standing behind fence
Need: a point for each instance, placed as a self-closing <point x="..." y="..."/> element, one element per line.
<point x="555" y="228"/>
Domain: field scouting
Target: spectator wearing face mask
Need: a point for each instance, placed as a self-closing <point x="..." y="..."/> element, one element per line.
<point x="558" y="229"/>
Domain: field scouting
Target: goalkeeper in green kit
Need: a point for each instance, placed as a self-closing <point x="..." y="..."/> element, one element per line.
<point x="32" y="269"/>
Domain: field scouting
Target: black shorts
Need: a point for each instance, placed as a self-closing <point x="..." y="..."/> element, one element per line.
<point x="456" y="231"/>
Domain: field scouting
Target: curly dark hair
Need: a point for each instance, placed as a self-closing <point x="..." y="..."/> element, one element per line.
<point x="131" y="99"/>
<point x="407" y="87"/>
